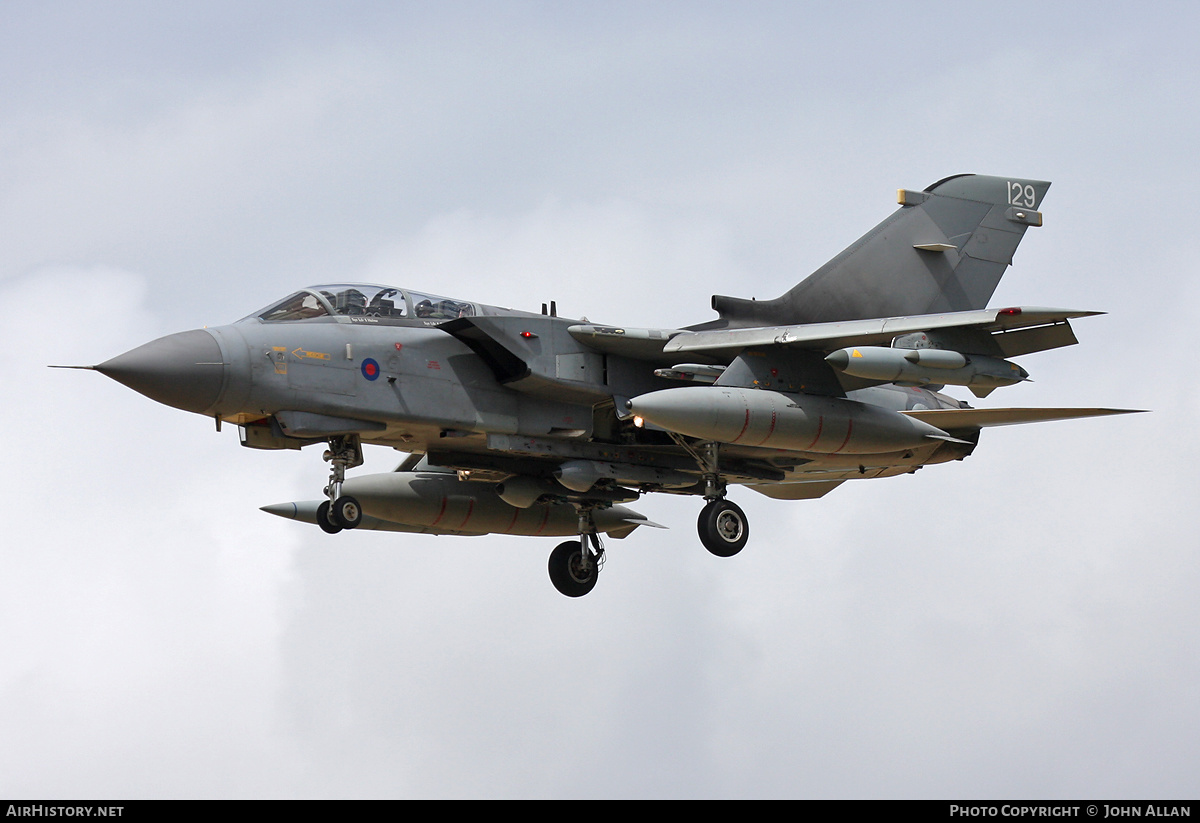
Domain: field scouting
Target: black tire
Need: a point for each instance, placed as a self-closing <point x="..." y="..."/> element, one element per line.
<point x="723" y="528"/>
<point x="567" y="572"/>
<point x="346" y="512"/>
<point x="323" y="520"/>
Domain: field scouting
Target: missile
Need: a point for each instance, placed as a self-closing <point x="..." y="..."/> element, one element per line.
<point x="778" y="420"/>
<point x="925" y="366"/>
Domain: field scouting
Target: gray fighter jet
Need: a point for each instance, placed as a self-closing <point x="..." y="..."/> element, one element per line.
<point x="528" y="423"/>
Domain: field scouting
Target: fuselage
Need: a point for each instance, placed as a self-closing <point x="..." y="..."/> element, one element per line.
<point x="459" y="379"/>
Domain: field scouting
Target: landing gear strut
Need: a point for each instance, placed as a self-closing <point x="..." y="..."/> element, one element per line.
<point x="340" y="511"/>
<point x="722" y="525"/>
<point x="575" y="565"/>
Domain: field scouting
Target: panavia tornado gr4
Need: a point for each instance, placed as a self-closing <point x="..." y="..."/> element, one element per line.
<point x="532" y="424"/>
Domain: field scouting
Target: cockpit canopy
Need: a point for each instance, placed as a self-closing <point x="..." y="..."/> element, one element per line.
<point x="368" y="303"/>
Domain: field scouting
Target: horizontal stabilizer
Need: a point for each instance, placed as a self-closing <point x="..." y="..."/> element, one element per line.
<point x="956" y="419"/>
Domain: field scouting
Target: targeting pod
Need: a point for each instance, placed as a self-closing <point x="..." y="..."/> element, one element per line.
<point x="922" y="367"/>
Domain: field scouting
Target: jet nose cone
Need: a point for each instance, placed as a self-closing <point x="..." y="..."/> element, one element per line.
<point x="183" y="370"/>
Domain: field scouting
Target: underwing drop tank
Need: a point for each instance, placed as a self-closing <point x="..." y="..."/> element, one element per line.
<point x="438" y="503"/>
<point x="777" y="420"/>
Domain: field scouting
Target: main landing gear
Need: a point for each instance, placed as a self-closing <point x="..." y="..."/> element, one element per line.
<point x="575" y="565"/>
<point x="722" y="525"/>
<point x="340" y="511"/>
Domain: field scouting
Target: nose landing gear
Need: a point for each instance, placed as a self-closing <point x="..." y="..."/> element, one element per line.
<point x="340" y="511"/>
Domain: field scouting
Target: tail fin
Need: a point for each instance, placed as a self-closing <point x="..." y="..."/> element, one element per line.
<point x="945" y="249"/>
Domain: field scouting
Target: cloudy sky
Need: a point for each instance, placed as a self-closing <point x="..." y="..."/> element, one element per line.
<point x="1022" y="624"/>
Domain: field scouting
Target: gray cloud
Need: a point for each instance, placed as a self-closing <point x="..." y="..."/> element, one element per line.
<point x="1022" y="623"/>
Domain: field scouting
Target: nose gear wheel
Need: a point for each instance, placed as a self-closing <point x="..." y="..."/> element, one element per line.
<point x="346" y="512"/>
<point x="340" y="511"/>
<point x="325" y="521"/>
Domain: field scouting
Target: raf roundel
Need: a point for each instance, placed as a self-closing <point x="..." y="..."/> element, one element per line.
<point x="370" y="369"/>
